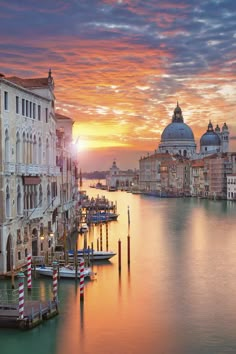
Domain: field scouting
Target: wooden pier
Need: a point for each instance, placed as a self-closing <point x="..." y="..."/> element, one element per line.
<point x="35" y="312"/>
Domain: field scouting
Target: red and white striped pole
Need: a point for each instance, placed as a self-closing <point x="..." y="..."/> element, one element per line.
<point x="81" y="279"/>
<point x="29" y="271"/>
<point x="21" y="295"/>
<point x="54" y="280"/>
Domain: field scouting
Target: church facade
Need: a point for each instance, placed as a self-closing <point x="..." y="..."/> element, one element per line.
<point x="169" y="169"/>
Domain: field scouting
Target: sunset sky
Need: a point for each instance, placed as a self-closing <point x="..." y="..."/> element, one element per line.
<point x="120" y="66"/>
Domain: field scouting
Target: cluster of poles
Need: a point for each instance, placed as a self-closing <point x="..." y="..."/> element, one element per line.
<point x="55" y="276"/>
<point x="55" y="273"/>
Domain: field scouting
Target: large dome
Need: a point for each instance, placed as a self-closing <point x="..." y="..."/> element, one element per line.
<point x="177" y="131"/>
<point x="177" y="137"/>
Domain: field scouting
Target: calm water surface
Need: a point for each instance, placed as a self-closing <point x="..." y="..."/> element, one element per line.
<point x="177" y="297"/>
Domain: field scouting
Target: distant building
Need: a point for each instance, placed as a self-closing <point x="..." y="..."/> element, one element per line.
<point x="177" y="137"/>
<point x="231" y="187"/>
<point x="176" y="167"/>
<point x="214" y="140"/>
<point x="117" y="179"/>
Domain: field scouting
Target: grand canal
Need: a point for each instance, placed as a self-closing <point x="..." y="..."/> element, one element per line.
<point x="177" y="297"/>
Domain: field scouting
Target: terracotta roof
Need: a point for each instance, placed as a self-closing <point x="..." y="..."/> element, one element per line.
<point x="60" y="116"/>
<point x="29" y="83"/>
<point x="197" y="163"/>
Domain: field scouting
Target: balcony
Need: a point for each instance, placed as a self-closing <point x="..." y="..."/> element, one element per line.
<point x="53" y="170"/>
<point x="30" y="169"/>
<point x="9" y="167"/>
<point x="31" y="214"/>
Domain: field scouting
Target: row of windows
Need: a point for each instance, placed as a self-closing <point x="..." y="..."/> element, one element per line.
<point x="28" y="108"/>
<point x="231" y="195"/>
<point x="33" y="197"/>
<point x="231" y="181"/>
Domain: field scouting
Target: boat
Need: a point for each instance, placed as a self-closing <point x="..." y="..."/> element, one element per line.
<point x="102" y="217"/>
<point x="94" y="255"/>
<point x="83" y="228"/>
<point x="64" y="272"/>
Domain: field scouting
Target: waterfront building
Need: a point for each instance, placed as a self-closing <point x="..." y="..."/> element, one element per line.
<point x="175" y="177"/>
<point x="66" y="159"/>
<point x="30" y="172"/>
<point x="231" y="186"/>
<point x="216" y="169"/>
<point x="150" y="171"/>
<point x="197" y="178"/>
<point x="178" y="141"/>
<point x="118" y="179"/>
<point x="214" y="140"/>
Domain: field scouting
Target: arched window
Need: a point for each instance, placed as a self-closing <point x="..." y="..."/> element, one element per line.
<point x="47" y="152"/>
<point x="26" y="198"/>
<point x="27" y="149"/>
<point x="24" y="150"/>
<point x="40" y="152"/>
<point x="8" y="205"/>
<point x="7" y="146"/>
<point x="40" y="196"/>
<point x="35" y="197"/>
<point x="18" y="148"/>
<point x="19" y="207"/>
<point x="31" y="197"/>
<point x="48" y="195"/>
<point x="30" y="149"/>
<point x="34" y="150"/>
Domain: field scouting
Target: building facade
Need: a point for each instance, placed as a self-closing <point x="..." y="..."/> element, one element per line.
<point x="176" y="155"/>
<point x="30" y="174"/>
<point x="118" y="179"/>
<point x="231" y="187"/>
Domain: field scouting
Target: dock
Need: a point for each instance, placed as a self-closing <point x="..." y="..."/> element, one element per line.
<point x="35" y="312"/>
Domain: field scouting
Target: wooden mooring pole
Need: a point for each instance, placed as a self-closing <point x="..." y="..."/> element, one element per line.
<point x="21" y="295"/>
<point x="119" y="255"/>
<point x="128" y="249"/>
<point x="100" y="237"/>
<point x="29" y="272"/>
<point x="107" y="236"/>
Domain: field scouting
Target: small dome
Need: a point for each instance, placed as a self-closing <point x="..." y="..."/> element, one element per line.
<point x="210" y="138"/>
<point x="177" y="131"/>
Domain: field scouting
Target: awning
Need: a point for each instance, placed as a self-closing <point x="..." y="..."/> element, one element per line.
<point x="31" y="180"/>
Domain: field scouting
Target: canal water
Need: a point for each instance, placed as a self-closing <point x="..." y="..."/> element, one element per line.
<point x="178" y="296"/>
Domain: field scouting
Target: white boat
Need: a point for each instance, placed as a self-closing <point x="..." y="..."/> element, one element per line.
<point x="64" y="272"/>
<point x="83" y="228"/>
<point x="94" y="255"/>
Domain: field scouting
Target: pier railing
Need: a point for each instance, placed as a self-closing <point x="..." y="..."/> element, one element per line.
<point x="8" y="297"/>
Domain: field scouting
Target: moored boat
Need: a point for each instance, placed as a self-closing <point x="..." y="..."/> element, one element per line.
<point x="102" y="217"/>
<point x="64" y="272"/>
<point x="94" y="255"/>
<point x="83" y="228"/>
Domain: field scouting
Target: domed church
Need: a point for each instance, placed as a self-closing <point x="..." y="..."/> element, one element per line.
<point x="214" y="140"/>
<point x="177" y="137"/>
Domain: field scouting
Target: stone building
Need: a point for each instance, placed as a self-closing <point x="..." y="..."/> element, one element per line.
<point x="118" y="179"/>
<point x="177" y="141"/>
<point x="30" y="175"/>
<point x="231" y="187"/>
<point x="177" y="137"/>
